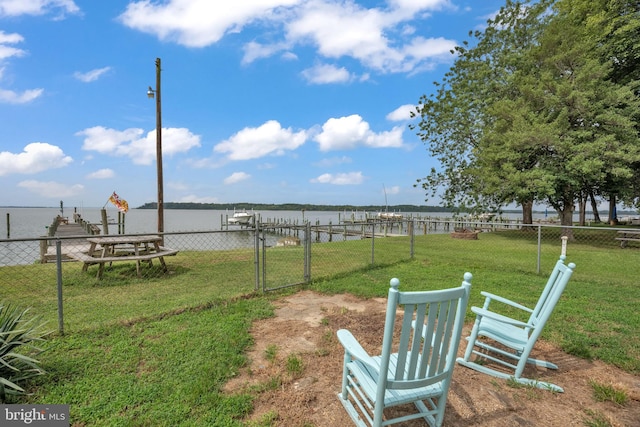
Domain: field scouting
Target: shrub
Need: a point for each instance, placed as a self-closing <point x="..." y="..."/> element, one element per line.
<point x="18" y="336"/>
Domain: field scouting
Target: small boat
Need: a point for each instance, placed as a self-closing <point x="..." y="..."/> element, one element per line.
<point x="240" y="218"/>
<point x="386" y="215"/>
<point x="390" y="215"/>
<point x="486" y="216"/>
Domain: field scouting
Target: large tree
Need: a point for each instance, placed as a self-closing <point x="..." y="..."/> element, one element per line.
<point x="617" y="22"/>
<point x="571" y="128"/>
<point x="537" y="116"/>
<point x="455" y="116"/>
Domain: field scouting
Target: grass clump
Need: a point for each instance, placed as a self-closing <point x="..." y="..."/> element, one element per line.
<point x="608" y="393"/>
<point x="271" y="352"/>
<point x="595" y="419"/>
<point x="295" y="365"/>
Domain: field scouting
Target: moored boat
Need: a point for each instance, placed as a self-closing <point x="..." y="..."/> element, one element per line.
<point x="241" y="218"/>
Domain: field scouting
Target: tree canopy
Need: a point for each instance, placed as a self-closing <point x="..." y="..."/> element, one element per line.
<point x="543" y="109"/>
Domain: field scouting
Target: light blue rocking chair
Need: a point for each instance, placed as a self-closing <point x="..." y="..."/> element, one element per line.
<point x="420" y="372"/>
<point x="517" y="337"/>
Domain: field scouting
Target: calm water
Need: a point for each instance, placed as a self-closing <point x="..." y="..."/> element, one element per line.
<point x="33" y="222"/>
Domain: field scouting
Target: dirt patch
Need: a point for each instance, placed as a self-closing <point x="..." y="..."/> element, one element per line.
<point x="304" y="330"/>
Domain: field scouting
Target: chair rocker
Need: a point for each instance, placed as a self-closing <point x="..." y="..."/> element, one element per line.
<point x="517" y="338"/>
<point x="420" y="372"/>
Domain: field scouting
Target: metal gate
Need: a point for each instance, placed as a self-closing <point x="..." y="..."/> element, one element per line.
<point x="283" y="256"/>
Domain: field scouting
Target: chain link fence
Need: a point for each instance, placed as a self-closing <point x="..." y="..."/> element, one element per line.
<point x="266" y="258"/>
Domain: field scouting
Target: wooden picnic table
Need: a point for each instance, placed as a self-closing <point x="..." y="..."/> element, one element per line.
<point x="628" y="236"/>
<point x="109" y="249"/>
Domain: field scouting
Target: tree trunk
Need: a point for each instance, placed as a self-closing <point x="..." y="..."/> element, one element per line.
<point x="566" y="219"/>
<point x="594" y="208"/>
<point x="613" y="215"/>
<point x="527" y="212"/>
<point x="582" y="221"/>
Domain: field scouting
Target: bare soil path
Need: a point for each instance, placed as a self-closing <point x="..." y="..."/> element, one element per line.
<point x="305" y="326"/>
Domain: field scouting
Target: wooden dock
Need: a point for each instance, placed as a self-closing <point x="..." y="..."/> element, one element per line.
<point x="62" y="228"/>
<point x="345" y="230"/>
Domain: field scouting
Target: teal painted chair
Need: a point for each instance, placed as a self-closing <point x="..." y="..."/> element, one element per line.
<point x="426" y="342"/>
<point x="516" y="338"/>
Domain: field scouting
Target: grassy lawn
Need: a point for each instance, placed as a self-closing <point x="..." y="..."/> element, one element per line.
<point x="158" y="350"/>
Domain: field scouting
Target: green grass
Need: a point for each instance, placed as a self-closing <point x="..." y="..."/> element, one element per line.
<point x="158" y="350"/>
<point x="596" y="317"/>
<point x="295" y="366"/>
<point x="595" y="419"/>
<point x="608" y="393"/>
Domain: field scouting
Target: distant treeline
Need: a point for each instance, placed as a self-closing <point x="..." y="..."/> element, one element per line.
<point x="295" y="207"/>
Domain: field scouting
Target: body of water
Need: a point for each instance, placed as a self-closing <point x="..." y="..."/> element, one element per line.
<point x="34" y="222"/>
<point x="25" y="223"/>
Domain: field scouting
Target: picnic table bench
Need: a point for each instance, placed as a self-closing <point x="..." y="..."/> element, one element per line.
<point x="123" y="248"/>
<point x="628" y="236"/>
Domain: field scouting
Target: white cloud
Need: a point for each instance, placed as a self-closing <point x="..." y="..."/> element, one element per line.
<point x="236" y="177"/>
<point x="342" y="29"/>
<point x="11" y="97"/>
<point x="131" y="143"/>
<point x="107" y="141"/>
<point x="51" y="189"/>
<point x="36" y="7"/>
<point x="437" y="50"/>
<point x="91" y="76"/>
<point x="350" y="178"/>
<point x="254" y="50"/>
<point x="36" y="157"/>
<point x="197" y="23"/>
<point x="333" y="161"/>
<point x="376" y="37"/>
<point x="101" y="174"/>
<point x="350" y="132"/>
<point x="289" y="56"/>
<point x="8" y="51"/>
<point x="382" y="38"/>
<point x="192" y="198"/>
<point x="402" y="113"/>
<point x="326" y="73"/>
<point x="413" y="6"/>
<point x="267" y="139"/>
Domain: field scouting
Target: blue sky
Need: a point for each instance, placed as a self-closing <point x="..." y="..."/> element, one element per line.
<point x="264" y="101"/>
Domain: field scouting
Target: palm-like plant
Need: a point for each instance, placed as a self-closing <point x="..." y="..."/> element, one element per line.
<point x="19" y="335"/>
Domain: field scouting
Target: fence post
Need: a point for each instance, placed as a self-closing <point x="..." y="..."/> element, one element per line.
<point x="411" y="225"/>
<point x="373" y="239"/>
<point x="307" y="253"/>
<point x="256" y="256"/>
<point x="263" y="248"/>
<point x="563" y="252"/>
<point x="59" y="268"/>
<point x="539" y="246"/>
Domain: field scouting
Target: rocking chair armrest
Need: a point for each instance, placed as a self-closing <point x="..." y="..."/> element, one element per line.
<point x="354" y="349"/>
<point x="481" y="312"/>
<point x="490" y="297"/>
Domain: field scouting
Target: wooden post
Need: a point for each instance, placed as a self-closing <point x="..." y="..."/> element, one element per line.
<point x="8" y="226"/>
<point x="105" y="223"/>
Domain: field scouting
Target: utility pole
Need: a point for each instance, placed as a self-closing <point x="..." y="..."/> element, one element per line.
<point x="151" y="93"/>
